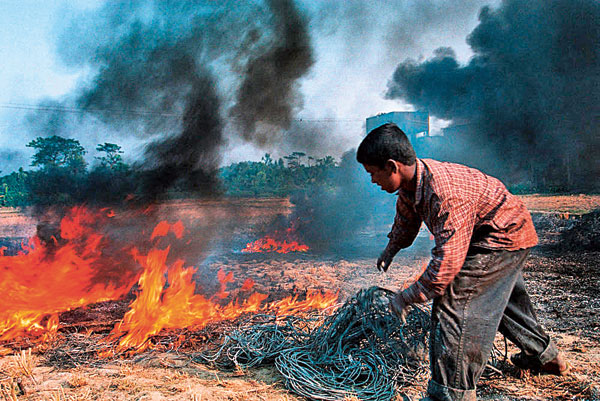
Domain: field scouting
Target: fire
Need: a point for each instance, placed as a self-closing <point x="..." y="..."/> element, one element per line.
<point x="47" y="279"/>
<point x="44" y="280"/>
<point x="159" y="307"/>
<point x="269" y="243"/>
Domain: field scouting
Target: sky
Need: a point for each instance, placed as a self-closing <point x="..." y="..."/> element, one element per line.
<point x="355" y="47"/>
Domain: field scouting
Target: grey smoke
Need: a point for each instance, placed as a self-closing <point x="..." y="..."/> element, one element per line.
<point x="349" y="217"/>
<point x="12" y="158"/>
<point x="530" y="94"/>
<point x="269" y="91"/>
<point x="161" y="71"/>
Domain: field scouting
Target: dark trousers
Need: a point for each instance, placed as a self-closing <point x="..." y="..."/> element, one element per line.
<point x="487" y="295"/>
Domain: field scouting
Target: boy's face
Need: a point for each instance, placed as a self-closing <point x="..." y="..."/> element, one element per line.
<point x="387" y="178"/>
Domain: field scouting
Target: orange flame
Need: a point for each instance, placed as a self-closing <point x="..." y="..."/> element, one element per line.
<point x="278" y="242"/>
<point x="177" y="306"/>
<point x="269" y="244"/>
<point x="43" y="281"/>
<point x="248" y="284"/>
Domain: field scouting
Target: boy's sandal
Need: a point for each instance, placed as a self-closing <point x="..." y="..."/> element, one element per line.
<point x="525" y="362"/>
<point x="553" y="369"/>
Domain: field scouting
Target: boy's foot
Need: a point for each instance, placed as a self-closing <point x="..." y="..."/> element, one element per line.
<point x="558" y="366"/>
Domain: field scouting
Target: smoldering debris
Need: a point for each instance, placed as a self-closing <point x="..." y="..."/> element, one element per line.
<point x="583" y="235"/>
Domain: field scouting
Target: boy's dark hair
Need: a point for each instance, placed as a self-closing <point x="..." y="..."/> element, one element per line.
<point x="384" y="143"/>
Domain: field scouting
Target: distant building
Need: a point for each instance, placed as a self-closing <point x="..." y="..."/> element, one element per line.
<point x="415" y="124"/>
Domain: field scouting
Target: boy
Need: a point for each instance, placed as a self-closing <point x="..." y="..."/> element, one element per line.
<point x="483" y="235"/>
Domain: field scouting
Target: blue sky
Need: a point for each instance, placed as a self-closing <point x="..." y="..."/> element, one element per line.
<point x="356" y="48"/>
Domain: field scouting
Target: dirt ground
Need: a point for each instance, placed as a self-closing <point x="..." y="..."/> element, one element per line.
<point x="563" y="284"/>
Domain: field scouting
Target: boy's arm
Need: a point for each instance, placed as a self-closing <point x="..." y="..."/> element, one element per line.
<point x="404" y="231"/>
<point x="452" y="227"/>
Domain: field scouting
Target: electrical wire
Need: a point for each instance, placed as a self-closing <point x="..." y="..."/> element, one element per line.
<point x="361" y="350"/>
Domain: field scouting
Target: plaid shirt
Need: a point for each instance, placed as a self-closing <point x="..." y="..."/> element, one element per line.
<point x="461" y="207"/>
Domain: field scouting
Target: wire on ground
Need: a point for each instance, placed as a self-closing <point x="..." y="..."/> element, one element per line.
<point x="361" y="350"/>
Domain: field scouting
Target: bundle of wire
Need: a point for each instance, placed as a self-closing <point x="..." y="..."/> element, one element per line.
<point x="361" y="350"/>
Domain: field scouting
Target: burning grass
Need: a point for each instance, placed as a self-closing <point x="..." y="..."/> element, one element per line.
<point x="48" y="278"/>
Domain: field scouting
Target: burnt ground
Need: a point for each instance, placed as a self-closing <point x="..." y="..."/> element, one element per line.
<point x="561" y="278"/>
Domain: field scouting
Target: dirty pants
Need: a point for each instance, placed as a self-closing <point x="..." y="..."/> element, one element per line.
<point x="487" y="295"/>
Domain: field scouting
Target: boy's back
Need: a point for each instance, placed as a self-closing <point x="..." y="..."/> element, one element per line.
<point x="500" y="220"/>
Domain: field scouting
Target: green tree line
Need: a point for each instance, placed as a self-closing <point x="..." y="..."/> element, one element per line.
<point x="61" y="175"/>
<point x="277" y="178"/>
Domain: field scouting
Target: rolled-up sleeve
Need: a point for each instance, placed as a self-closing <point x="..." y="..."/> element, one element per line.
<point x="406" y="226"/>
<point x="452" y="224"/>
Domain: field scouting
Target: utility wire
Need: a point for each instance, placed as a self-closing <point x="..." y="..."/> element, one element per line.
<point x="62" y="109"/>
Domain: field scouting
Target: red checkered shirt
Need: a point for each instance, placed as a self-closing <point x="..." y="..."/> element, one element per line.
<point x="461" y="207"/>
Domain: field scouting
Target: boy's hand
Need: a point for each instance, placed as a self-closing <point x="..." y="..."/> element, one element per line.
<point x="398" y="307"/>
<point x="384" y="260"/>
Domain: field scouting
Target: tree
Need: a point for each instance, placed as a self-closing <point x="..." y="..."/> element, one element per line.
<point x="327" y="162"/>
<point x="267" y="159"/>
<point x="112" y="160"/>
<point x="293" y="161"/>
<point x="57" y="151"/>
<point x="299" y="156"/>
<point x="14" y="188"/>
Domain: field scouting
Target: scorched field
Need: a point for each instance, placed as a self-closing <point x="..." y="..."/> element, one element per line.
<point x="144" y="304"/>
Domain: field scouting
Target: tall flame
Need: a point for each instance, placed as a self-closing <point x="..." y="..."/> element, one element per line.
<point x="43" y="280"/>
<point x="160" y="307"/>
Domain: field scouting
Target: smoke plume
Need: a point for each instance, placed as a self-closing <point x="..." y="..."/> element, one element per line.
<point x="529" y="96"/>
<point x="161" y="72"/>
<point x="343" y="217"/>
<point x="268" y="93"/>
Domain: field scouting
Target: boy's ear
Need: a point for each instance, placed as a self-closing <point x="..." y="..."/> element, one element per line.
<point x="391" y="165"/>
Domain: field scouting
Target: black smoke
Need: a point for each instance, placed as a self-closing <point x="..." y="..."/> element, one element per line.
<point x="529" y="98"/>
<point x="269" y="93"/>
<point x="154" y="81"/>
<point x="192" y="155"/>
<point x="161" y="72"/>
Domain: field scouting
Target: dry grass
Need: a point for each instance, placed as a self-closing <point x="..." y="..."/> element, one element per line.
<point x="60" y="395"/>
<point x="9" y="389"/>
<point x="69" y="369"/>
<point x="77" y="379"/>
<point x="26" y="362"/>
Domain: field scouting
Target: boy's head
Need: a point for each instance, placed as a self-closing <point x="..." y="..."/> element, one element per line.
<point x="388" y="156"/>
<point x="384" y="143"/>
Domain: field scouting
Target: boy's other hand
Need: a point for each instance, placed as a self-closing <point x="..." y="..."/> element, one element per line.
<point x="385" y="260"/>
<point x="398" y="307"/>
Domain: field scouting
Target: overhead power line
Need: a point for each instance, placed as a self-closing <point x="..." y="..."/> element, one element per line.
<point x="63" y="109"/>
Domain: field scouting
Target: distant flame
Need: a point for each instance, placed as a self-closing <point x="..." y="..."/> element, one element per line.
<point x="270" y="243"/>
